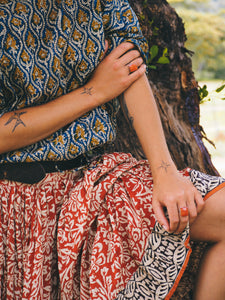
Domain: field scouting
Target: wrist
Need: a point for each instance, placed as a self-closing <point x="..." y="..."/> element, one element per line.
<point x="164" y="169"/>
<point x="93" y="94"/>
<point x="90" y="97"/>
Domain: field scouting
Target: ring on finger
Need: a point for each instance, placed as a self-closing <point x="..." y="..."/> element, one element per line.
<point x="184" y="211"/>
<point x="132" y="68"/>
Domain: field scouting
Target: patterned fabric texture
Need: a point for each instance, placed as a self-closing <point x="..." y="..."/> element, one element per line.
<point x="89" y="236"/>
<point x="51" y="47"/>
<point x="205" y="183"/>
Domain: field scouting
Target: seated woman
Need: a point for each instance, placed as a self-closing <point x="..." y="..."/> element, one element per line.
<point x="77" y="223"/>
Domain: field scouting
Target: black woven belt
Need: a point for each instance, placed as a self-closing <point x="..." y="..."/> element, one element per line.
<point x="33" y="172"/>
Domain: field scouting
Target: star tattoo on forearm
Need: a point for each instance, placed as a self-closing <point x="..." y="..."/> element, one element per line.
<point x="87" y="90"/>
<point x="17" y="118"/>
<point x="164" y="166"/>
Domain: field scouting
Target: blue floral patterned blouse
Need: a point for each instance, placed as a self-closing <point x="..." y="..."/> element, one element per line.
<point x="49" y="48"/>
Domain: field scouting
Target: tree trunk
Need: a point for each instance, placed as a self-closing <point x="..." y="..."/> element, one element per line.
<point x="176" y="92"/>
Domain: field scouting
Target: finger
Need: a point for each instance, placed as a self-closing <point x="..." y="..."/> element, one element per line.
<point x="199" y="201"/>
<point x="136" y="74"/>
<point x="192" y="209"/>
<point x="160" y="216"/>
<point x="136" y="64"/>
<point x="183" y="217"/>
<point x="174" y="217"/>
<point x="128" y="57"/>
<point x="121" y="50"/>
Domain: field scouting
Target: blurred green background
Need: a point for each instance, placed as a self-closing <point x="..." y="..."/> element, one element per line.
<point x="204" y="22"/>
<point x="212" y="118"/>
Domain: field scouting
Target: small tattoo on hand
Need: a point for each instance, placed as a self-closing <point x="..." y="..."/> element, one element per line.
<point x="17" y="117"/>
<point x="87" y="91"/>
<point x="164" y="166"/>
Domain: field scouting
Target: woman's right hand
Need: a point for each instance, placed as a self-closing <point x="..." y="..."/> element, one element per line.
<point x="112" y="76"/>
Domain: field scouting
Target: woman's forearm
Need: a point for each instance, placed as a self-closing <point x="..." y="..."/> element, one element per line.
<point x="171" y="190"/>
<point x="144" y="115"/>
<point x="29" y="125"/>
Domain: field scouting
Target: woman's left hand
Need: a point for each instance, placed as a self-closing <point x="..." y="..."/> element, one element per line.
<point x="172" y="193"/>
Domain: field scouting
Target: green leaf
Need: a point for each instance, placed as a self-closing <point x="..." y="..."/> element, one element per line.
<point x="163" y="60"/>
<point x="165" y="52"/>
<point x="145" y="3"/>
<point x="155" y="30"/>
<point x="142" y="17"/>
<point x="154" y="51"/>
<point x="152" y="67"/>
<point x="150" y="23"/>
<point x="204" y="100"/>
<point x="220" y="88"/>
<point x="203" y="93"/>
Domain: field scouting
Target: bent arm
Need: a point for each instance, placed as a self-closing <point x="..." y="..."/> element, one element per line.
<point x="29" y="125"/>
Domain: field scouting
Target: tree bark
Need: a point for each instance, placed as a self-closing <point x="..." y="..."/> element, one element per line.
<point x="176" y="92"/>
<point x="175" y="89"/>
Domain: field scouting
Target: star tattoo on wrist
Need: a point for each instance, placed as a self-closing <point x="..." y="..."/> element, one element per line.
<point x="164" y="166"/>
<point x="87" y="90"/>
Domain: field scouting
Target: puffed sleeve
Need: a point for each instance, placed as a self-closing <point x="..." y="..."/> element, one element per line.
<point x="121" y="24"/>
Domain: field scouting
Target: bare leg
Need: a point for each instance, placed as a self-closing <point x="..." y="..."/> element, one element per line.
<point x="210" y="226"/>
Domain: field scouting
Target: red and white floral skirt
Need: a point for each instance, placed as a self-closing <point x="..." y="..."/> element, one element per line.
<point x="90" y="236"/>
